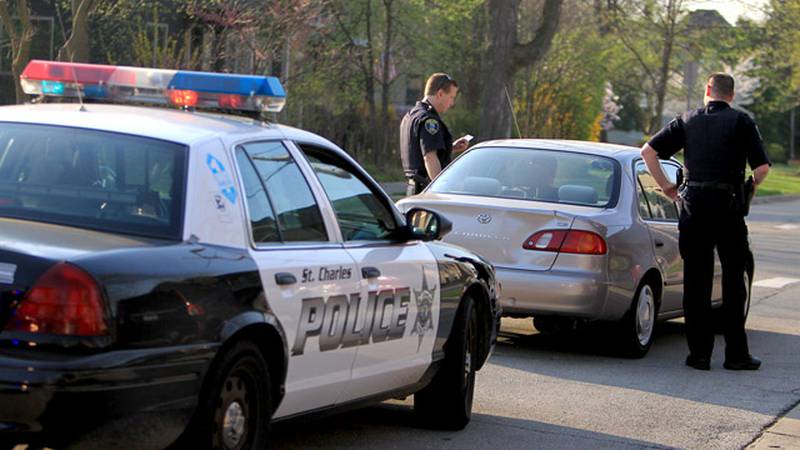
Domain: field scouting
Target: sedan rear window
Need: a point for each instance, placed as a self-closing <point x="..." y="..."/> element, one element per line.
<point x="92" y="179"/>
<point x="531" y="174"/>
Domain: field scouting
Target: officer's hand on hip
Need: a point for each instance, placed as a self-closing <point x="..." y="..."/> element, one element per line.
<point x="671" y="191"/>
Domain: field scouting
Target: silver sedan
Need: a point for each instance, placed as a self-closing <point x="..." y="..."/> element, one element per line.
<point x="578" y="231"/>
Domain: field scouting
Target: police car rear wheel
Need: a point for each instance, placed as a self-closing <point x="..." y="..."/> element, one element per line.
<point x="447" y="401"/>
<point x="235" y="406"/>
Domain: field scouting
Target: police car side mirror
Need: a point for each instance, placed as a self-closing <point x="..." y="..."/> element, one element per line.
<point x="426" y="225"/>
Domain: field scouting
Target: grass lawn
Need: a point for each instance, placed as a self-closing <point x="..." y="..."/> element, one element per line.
<point x="782" y="180"/>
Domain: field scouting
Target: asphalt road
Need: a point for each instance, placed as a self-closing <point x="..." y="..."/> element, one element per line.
<point x="545" y="392"/>
<point x="572" y="392"/>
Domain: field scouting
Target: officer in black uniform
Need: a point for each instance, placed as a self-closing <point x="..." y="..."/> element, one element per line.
<point x="426" y="145"/>
<point x="717" y="141"/>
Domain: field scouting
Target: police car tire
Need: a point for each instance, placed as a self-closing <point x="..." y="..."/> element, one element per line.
<point x="241" y="376"/>
<point x="446" y="403"/>
<point x="628" y="330"/>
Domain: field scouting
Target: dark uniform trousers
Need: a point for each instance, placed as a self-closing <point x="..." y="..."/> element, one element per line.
<point x="711" y="218"/>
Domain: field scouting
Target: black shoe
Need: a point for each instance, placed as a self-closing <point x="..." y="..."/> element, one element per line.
<point x="698" y="363"/>
<point x="747" y="363"/>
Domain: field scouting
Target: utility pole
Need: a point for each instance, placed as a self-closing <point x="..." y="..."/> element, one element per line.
<point x="792" y="135"/>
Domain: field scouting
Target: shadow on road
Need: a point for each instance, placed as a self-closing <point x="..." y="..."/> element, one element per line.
<point x="393" y="425"/>
<point x="590" y="356"/>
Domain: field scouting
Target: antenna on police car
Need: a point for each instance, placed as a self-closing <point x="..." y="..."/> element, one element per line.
<point x="77" y="85"/>
<point x="511" y="107"/>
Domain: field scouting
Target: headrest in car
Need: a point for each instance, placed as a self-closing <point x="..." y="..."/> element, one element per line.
<point x="575" y="193"/>
<point x="482" y="186"/>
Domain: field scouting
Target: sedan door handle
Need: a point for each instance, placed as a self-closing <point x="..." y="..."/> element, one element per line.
<point x="370" y="272"/>
<point x="285" y="279"/>
<point x="659" y="243"/>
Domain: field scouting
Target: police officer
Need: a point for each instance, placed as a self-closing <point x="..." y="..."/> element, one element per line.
<point x="717" y="141"/>
<point x="426" y="145"/>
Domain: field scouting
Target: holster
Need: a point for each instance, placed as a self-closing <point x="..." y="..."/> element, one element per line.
<point x="748" y="190"/>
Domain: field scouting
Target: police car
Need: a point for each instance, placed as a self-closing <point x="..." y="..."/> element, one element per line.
<point x="231" y="270"/>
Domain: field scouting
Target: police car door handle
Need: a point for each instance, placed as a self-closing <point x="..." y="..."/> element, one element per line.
<point x="285" y="279"/>
<point x="659" y="243"/>
<point x="370" y="272"/>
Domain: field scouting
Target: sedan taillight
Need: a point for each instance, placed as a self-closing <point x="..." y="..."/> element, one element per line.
<point x="64" y="301"/>
<point x="567" y="241"/>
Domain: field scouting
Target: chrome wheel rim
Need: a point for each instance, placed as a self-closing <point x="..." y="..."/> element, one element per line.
<point x="235" y="408"/>
<point x="233" y="425"/>
<point x="468" y="357"/>
<point x="645" y="315"/>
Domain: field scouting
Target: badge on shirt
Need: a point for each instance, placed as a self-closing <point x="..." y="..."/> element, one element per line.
<point x="432" y="126"/>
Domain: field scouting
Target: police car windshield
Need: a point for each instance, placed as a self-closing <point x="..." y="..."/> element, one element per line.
<point x="532" y="174"/>
<point x="92" y="179"/>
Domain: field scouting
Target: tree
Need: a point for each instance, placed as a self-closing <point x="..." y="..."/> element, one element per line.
<point x="20" y="39"/>
<point x="562" y="97"/>
<point x="778" y="69"/>
<point x="651" y="33"/>
<point x="76" y="49"/>
<point x="506" y="56"/>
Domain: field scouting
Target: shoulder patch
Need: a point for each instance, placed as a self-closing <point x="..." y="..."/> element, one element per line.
<point x="432" y="126"/>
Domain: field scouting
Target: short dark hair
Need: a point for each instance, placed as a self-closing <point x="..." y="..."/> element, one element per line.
<point x="439" y="81"/>
<point x="721" y="84"/>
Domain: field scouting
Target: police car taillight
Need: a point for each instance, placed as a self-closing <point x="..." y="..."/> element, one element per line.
<point x="155" y="86"/>
<point x="64" y="301"/>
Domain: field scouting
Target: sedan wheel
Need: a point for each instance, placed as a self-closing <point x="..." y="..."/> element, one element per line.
<point x="645" y="315"/>
<point x="636" y="328"/>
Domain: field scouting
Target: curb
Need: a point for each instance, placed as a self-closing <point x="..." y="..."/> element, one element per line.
<point x="775" y="199"/>
<point x="783" y="434"/>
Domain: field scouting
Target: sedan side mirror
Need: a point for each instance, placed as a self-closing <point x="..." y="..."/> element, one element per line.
<point x="426" y="225"/>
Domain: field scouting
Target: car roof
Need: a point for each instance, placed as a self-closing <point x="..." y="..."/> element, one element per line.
<point x="160" y="123"/>
<point x="617" y="151"/>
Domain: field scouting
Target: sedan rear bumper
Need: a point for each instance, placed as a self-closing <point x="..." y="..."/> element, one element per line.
<point x="66" y="395"/>
<point x="555" y="292"/>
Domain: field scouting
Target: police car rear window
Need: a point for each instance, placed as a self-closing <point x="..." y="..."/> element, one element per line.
<point x="533" y="174"/>
<point x="92" y="179"/>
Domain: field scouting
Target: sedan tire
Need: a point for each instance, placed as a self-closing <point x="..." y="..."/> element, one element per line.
<point x="636" y="328"/>
<point x="446" y="403"/>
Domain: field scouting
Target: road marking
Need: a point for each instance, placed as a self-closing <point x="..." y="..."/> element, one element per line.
<point x="787" y="226"/>
<point x="776" y="283"/>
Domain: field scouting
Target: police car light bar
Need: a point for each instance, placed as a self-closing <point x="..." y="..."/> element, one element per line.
<point x="159" y="86"/>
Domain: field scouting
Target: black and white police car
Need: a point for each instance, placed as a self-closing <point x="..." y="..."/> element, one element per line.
<point x="238" y="272"/>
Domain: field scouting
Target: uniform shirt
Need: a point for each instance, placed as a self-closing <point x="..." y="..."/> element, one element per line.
<point x="717" y="141"/>
<point x="422" y="131"/>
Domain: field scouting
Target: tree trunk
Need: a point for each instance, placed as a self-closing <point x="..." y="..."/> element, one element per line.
<point x="76" y="49"/>
<point x="506" y="56"/>
<point x="369" y="80"/>
<point x="386" y="82"/>
<point x="20" y="42"/>
<point x="673" y="9"/>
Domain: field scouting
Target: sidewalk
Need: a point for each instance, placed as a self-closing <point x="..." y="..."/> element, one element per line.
<point x="783" y="434"/>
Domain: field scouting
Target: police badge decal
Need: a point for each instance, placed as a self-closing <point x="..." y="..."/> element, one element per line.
<point x="424" y="320"/>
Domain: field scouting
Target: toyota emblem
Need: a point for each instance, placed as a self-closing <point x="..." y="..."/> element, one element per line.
<point x="484" y="218"/>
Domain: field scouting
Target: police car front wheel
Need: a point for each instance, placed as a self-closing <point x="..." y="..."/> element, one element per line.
<point x="447" y="401"/>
